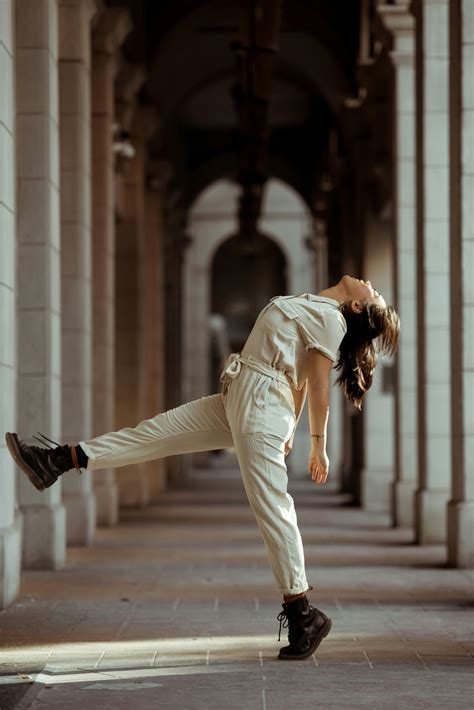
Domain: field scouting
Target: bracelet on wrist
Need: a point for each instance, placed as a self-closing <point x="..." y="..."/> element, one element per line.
<point x="318" y="436"/>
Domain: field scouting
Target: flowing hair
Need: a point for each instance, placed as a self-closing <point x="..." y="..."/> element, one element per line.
<point x="357" y="352"/>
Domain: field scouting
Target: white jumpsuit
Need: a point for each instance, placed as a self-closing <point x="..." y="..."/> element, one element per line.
<point x="254" y="413"/>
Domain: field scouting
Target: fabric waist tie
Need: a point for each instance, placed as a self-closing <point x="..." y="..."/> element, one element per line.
<point x="234" y="364"/>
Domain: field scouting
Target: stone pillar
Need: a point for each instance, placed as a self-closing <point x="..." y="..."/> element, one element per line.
<point x="132" y="480"/>
<point x="152" y="391"/>
<point x="461" y="505"/>
<point x="76" y="272"/>
<point x="335" y="434"/>
<point x="175" y="249"/>
<point x="401" y="24"/>
<point x="39" y="268"/>
<point x="106" y="39"/>
<point x="378" y="470"/>
<point x="434" y="426"/>
<point x="10" y="530"/>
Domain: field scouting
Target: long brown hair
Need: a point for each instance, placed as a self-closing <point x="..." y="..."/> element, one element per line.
<point x="357" y="352"/>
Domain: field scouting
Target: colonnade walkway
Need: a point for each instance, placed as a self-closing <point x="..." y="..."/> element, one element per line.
<point x="176" y="608"/>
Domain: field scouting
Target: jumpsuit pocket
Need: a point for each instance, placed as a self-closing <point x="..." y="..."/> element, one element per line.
<point x="266" y="413"/>
<point x="252" y="403"/>
<point x="260" y="392"/>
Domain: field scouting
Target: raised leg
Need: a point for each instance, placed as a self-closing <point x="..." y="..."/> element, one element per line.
<point x="199" y="425"/>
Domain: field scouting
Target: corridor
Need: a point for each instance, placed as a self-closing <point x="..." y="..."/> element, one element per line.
<point x="175" y="608"/>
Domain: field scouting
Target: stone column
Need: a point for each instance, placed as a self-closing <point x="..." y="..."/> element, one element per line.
<point x="175" y="248"/>
<point x="76" y="272"/>
<point x="132" y="480"/>
<point x="39" y="268"/>
<point x="313" y="255"/>
<point x="106" y="39"/>
<point x="434" y="426"/>
<point x="401" y="24"/>
<point x="10" y="530"/>
<point x="335" y="448"/>
<point x="461" y="505"/>
<point x="152" y="391"/>
<point x="335" y="434"/>
<point x="378" y="470"/>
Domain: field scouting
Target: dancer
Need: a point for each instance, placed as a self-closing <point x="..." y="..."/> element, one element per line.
<point x="295" y="342"/>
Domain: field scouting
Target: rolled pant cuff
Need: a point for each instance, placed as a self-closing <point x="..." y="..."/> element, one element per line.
<point x="89" y="454"/>
<point x="295" y="590"/>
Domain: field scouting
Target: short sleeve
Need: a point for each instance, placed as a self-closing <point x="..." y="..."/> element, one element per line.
<point x="324" y="331"/>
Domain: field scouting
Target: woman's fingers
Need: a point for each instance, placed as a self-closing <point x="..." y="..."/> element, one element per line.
<point x="319" y="474"/>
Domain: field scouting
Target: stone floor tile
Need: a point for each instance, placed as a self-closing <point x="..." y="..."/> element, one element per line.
<point x="176" y="607"/>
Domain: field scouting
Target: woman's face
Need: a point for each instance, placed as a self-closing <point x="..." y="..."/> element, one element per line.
<point x="360" y="290"/>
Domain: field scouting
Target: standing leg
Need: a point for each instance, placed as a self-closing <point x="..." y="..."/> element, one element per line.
<point x="261" y="416"/>
<point x="264" y="474"/>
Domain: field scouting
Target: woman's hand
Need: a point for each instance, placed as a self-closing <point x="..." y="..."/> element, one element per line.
<point x="289" y="445"/>
<point x="318" y="464"/>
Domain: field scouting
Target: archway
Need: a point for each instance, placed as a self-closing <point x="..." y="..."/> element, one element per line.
<point x="243" y="278"/>
<point x="286" y="225"/>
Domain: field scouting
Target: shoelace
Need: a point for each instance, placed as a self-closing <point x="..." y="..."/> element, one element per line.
<point x="44" y="440"/>
<point x="282" y="617"/>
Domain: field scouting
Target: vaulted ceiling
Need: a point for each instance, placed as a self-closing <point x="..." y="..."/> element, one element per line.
<point x="187" y="49"/>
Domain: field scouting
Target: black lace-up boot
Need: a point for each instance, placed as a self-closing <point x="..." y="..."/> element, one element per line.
<point x="42" y="466"/>
<point x="307" y="626"/>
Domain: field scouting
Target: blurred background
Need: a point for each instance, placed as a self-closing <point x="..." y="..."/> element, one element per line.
<point x="166" y="169"/>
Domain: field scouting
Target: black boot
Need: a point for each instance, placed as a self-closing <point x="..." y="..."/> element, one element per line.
<point x="42" y="466"/>
<point x="307" y="626"/>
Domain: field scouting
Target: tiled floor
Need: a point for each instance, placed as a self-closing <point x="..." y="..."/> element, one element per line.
<point x="176" y="608"/>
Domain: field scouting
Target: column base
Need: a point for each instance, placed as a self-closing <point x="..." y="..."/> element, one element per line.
<point x="461" y="534"/>
<point x="133" y="486"/>
<point x="403" y="504"/>
<point x="80" y="516"/>
<point x="107" y="498"/>
<point x="375" y="489"/>
<point x="10" y="561"/>
<point x="431" y="516"/>
<point x="44" y="536"/>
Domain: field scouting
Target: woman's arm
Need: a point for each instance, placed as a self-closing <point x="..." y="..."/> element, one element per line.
<point x="319" y="369"/>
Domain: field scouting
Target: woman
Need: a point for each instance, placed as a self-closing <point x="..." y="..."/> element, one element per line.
<point x="289" y="354"/>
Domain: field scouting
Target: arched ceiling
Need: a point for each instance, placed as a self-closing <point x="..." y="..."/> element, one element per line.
<point x="191" y="68"/>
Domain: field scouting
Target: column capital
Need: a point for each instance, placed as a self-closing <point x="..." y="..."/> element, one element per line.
<point x="75" y="18"/>
<point x="92" y="6"/>
<point x="399" y="21"/>
<point x="110" y="27"/>
<point x="129" y="80"/>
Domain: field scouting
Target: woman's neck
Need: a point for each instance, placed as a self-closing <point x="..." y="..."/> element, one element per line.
<point x="337" y="292"/>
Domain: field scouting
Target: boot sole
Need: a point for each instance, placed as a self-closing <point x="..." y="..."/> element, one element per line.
<point x="317" y="640"/>
<point x="14" y="449"/>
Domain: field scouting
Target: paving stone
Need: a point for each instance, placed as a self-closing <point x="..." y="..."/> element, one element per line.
<point x="176" y="607"/>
